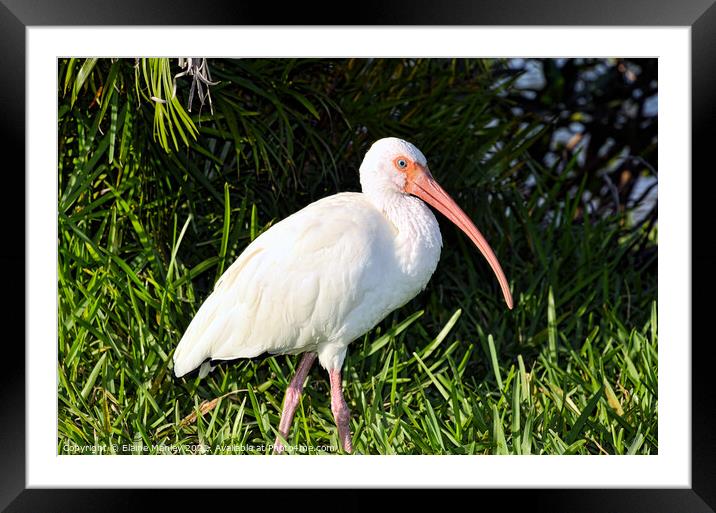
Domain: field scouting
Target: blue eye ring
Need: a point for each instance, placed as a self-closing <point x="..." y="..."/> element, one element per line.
<point x="401" y="163"/>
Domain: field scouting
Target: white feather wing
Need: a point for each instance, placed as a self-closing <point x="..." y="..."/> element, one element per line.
<point x="300" y="284"/>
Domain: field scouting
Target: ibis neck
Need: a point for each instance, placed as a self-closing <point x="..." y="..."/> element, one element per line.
<point x="417" y="233"/>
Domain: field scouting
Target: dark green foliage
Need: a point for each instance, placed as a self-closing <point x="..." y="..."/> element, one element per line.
<point x="604" y="109"/>
<point x="155" y="202"/>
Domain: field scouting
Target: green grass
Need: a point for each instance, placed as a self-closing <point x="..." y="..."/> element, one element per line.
<point x="145" y="230"/>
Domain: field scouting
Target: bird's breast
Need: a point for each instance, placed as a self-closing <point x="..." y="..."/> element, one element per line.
<point x="417" y="243"/>
<point x="401" y="253"/>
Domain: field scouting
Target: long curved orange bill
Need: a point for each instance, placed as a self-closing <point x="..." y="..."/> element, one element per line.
<point x="420" y="183"/>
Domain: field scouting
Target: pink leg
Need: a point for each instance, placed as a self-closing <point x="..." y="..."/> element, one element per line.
<point x="340" y="410"/>
<point x="293" y="395"/>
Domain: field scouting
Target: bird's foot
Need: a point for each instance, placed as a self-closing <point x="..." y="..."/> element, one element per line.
<point x="290" y="402"/>
<point x="344" y="429"/>
<point x="340" y="411"/>
<point x="348" y="443"/>
<point x="278" y="446"/>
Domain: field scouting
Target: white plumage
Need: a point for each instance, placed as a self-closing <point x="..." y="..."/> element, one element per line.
<point x="314" y="282"/>
<point x="325" y="275"/>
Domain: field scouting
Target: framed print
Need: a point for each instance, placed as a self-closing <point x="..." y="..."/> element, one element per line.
<point x="161" y="192"/>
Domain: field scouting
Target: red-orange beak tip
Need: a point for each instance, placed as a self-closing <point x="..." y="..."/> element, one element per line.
<point x="510" y="304"/>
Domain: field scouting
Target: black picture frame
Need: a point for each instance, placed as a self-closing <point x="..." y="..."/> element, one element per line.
<point x="17" y="15"/>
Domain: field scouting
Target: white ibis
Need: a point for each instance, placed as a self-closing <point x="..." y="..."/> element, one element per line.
<point x="327" y="274"/>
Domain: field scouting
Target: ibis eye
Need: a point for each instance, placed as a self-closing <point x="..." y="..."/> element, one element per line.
<point x="402" y="164"/>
